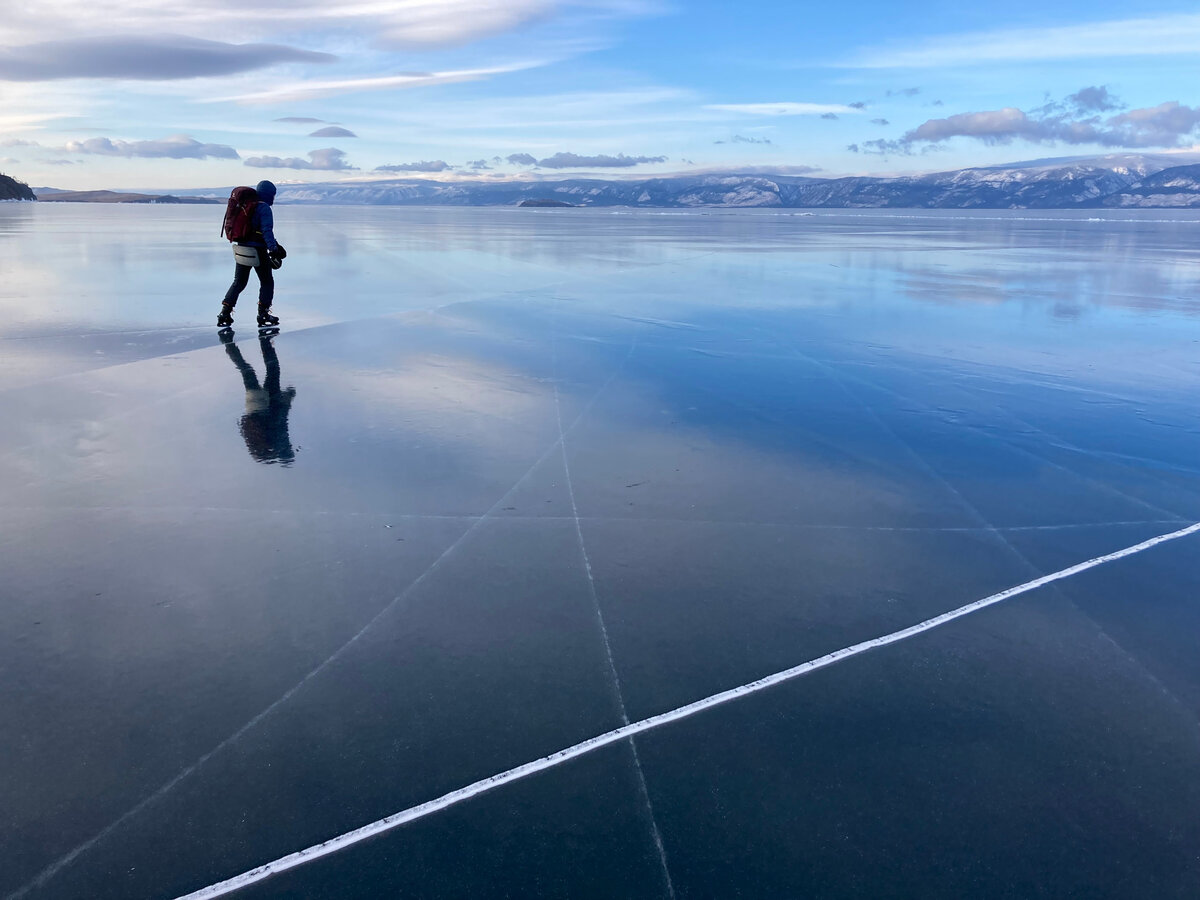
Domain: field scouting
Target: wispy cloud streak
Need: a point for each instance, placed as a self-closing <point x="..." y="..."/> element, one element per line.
<point x="1157" y="36"/>
<point x="783" y="109"/>
<point x="384" y="23"/>
<point x="308" y="90"/>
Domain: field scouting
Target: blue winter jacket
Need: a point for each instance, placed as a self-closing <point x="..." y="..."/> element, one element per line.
<point x="262" y="221"/>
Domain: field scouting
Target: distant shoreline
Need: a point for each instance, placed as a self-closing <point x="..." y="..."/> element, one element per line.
<point x="116" y="197"/>
<point x="1111" y="181"/>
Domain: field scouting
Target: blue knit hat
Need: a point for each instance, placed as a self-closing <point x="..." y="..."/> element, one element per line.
<point x="266" y="191"/>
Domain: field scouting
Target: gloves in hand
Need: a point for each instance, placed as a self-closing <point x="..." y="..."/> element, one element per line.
<point x="276" y="256"/>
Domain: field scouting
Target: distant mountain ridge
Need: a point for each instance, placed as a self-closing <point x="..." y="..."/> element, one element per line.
<point x="1177" y="187"/>
<point x="51" y="195"/>
<point x="1119" y="181"/>
<point x="1122" y="181"/>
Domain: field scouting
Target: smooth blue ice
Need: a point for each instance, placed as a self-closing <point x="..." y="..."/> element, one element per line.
<point x="508" y="477"/>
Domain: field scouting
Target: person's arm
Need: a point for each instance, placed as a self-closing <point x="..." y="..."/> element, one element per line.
<point x="266" y="223"/>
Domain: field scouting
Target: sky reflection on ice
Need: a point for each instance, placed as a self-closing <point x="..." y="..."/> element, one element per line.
<point x="785" y="434"/>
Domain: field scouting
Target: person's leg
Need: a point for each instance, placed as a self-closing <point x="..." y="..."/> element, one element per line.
<point x="241" y="277"/>
<point x="266" y="282"/>
<point x="266" y="292"/>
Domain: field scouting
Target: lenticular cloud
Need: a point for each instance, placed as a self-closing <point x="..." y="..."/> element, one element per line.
<point x="398" y="23"/>
<point x="179" y="146"/>
<point x="154" y="58"/>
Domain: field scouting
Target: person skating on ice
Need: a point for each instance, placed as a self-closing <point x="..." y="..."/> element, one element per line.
<point x="270" y="255"/>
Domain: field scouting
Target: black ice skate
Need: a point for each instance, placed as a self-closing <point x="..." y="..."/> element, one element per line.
<point x="266" y="320"/>
<point x="225" y="319"/>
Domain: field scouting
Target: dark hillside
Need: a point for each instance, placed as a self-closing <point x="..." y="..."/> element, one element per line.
<point x="118" y="197"/>
<point x="11" y="189"/>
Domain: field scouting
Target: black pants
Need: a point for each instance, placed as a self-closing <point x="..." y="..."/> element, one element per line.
<point x="266" y="281"/>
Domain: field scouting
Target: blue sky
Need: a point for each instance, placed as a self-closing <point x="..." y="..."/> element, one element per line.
<point x="204" y="93"/>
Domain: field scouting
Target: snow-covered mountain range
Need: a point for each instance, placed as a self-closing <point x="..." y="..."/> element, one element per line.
<point x="1117" y="180"/>
<point x="1124" y="180"/>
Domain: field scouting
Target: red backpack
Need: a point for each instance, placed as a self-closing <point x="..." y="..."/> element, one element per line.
<point x="239" y="214"/>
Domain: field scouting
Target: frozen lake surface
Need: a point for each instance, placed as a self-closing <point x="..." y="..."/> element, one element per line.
<point x="509" y="480"/>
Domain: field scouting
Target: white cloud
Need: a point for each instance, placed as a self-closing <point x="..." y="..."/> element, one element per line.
<point x="395" y="23"/>
<point x="605" y="161"/>
<point x="308" y="90"/>
<point x="1168" y="124"/>
<point x="179" y="146"/>
<point x="156" y="57"/>
<point x="425" y="165"/>
<point x="783" y="109"/>
<point x="1159" y="36"/>
<point x="329" y="159"/>
<point x="755" y="170"/>
<point x="989" y="125"/>
<point x="457" y="21"/>
<point x="21" y="121"/>
<point x="743" y="139"/>
<point x="333" y="131"/>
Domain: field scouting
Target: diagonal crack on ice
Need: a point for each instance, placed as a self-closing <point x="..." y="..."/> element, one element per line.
<point x="1003" y="539"/>
<point x="525" y="770"/>
<point x="1025" y="451"/>
<point x="655" y="832"/>
<point x="58" y="865"/>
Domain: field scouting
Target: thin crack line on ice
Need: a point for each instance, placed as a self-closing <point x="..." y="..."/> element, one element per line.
<point x="1008" y="545"/>
<point x="54" y="868"/>
<point x="1136" y="663"/>
<point x="655" y="833"/>
<point x="413" y="813"/>
<point x="988" y="435"/>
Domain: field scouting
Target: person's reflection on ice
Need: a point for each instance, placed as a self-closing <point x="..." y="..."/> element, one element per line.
<point x="264" y="427"/>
